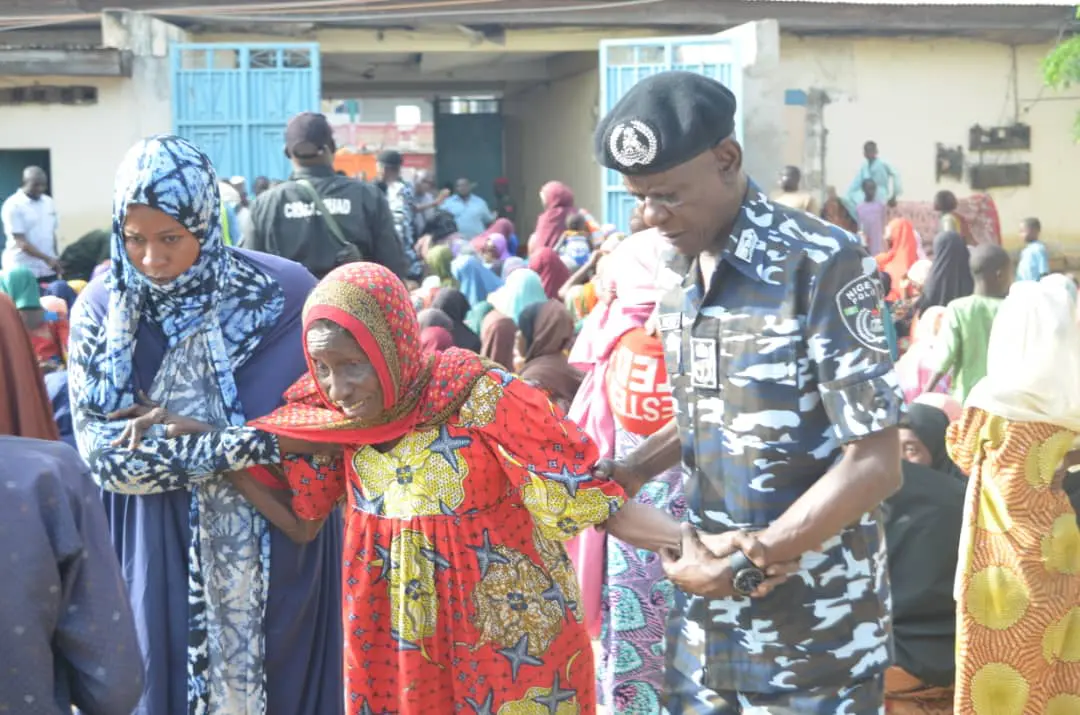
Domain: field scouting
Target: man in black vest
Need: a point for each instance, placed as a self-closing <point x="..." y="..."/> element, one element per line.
<point x="320" y="219"/>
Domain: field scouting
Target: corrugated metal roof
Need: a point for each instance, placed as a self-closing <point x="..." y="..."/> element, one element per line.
<point x="939" y="3"/>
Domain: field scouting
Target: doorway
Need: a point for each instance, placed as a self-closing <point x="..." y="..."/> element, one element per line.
<point x="12" y="163"/>
<point x="469" y="142"/>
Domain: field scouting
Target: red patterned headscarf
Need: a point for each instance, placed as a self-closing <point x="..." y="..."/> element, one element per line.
<point x="420" y="388"/>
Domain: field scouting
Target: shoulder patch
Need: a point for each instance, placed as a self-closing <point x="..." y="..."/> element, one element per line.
<point x="860" y="306"/>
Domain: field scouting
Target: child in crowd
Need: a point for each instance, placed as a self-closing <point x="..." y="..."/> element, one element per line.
<point x="966" y="335"/>
<point x="871" y="215"/>
<point x="575" y="244"/>
<point x="1034" y="260"/>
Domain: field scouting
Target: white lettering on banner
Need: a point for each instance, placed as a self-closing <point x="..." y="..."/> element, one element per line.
<point x="650" y="408"/>
<point x="306" y="209"/>
<point x="634" y="384"/>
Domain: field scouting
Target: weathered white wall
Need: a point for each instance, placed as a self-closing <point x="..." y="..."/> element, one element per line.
<point x="87" y="142"/>
<point x="909" y="94"/>
<point x="549" y="136"/>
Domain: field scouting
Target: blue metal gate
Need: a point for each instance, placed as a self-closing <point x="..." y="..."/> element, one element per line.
<point x="623" y="63"/>
<point x="234" y="101"/>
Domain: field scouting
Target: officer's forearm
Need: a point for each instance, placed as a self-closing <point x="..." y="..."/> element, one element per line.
<point x="867" y="474"/>
<point x="657" y="454"/>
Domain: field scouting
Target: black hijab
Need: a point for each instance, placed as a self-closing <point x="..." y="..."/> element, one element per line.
<point x="922" y="536"/>
<point x="456" y="306"/>
<point x="950" y="273"/>
<point x="930" y="424"/>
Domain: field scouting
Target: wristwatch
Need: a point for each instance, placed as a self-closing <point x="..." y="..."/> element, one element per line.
<point x="745" y="576"/>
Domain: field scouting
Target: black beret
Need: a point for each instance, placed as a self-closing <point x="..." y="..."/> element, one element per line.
<point x="664" y="120"/>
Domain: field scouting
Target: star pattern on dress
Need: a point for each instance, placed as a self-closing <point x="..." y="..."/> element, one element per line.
<point x="365" y="505"/>
<point x="447" y="447"/>
<point x="403" y="644"/>
<point x="365" y="709"/>
<point x="557" y="696"/>
<point x="555" y="593"/>
<point x="434" y="557"/>
<point x="486" y="555"/>
<point x="484" y="708"/>
<point x="387" y="563"/>
<point x="568" y="479"/>
<point x="519" y="656"/>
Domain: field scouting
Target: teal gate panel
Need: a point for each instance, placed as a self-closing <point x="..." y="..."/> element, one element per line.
<point x="234" y="100"/>
<point x="623" y="63"/>
<point x="469" y="143"/>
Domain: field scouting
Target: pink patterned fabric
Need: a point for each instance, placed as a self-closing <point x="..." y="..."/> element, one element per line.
<point x="979" y="210"/>
<point x="633" y="267"/>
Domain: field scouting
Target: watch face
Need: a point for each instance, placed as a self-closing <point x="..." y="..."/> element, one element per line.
<point x="748" y="579"/>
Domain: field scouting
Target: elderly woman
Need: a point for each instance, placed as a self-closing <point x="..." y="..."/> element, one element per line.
<point x="462" y="482"/>
<point x="232" y="616"/>
<point x="1018" y="583"/>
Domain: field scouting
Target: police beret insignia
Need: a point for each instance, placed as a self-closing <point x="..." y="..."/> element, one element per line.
<point x="633" y="143"/>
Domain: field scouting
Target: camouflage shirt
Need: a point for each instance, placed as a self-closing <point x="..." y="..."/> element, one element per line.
<point x="774" y="369"/>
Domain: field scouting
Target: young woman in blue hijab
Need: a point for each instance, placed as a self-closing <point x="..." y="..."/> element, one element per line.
<point x="232" y="615"/>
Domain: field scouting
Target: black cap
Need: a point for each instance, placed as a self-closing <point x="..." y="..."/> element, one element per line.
<point x="308" y="134"/>
<point x="664" y="120"/>
<point x="389" y="158"/>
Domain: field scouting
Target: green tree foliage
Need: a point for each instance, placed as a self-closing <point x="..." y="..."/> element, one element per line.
<point x="1061" y="68"/>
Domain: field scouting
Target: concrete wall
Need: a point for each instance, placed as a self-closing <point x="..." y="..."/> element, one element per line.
<point x="548" y="135"/>
<point x="910" y="94"/>
<point x="86" y="143"/>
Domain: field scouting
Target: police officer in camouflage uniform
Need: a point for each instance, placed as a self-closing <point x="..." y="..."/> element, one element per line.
<point x="787" y="414"/>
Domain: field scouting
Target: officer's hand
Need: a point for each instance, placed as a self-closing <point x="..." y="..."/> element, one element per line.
<point x="731" y="541"/>
<point x="697" y="570"/>
<point x="620" y="472"/>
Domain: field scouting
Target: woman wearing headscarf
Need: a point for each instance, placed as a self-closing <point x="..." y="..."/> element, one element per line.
<point x="474" y="279"/>
<point x="922" y="530"/>
<point x="558" y="201"/>
<point x="501" y="226"/>
<point x="902" y="252"/>
<point x="442" y="230"/>
<point x="233" y="616"/>
<point x="624" y="398"/>
<point x="434" y="318"/>
<point x="551" y="269"/>
<point x="545" y="334"/>
<point x="456" y="306"/>
<point x="494" y="252"/>
<point x="921" y="360"/>
<point x="922" y="439"/>
<point x="462" y="483"/>
<point x="499" y="328"/>
<point x="438" y="260"/>
<point x="24" y="403"/>
<point x="511" y="264"/>
<point x="435" y="339"/>
<point x="1018" y="583"/>
<point x="48" y="331"/>
<point x="950" y="273"/>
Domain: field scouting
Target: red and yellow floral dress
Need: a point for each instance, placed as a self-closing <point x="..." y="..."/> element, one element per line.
<point x="458" y="593"/>
<point x="458" y="589"/>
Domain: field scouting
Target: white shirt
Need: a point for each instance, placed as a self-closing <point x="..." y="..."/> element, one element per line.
<point x="36" y="222"/>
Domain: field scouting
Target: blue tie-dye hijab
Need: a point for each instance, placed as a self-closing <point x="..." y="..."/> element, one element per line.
<point x="213" y="318"/>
